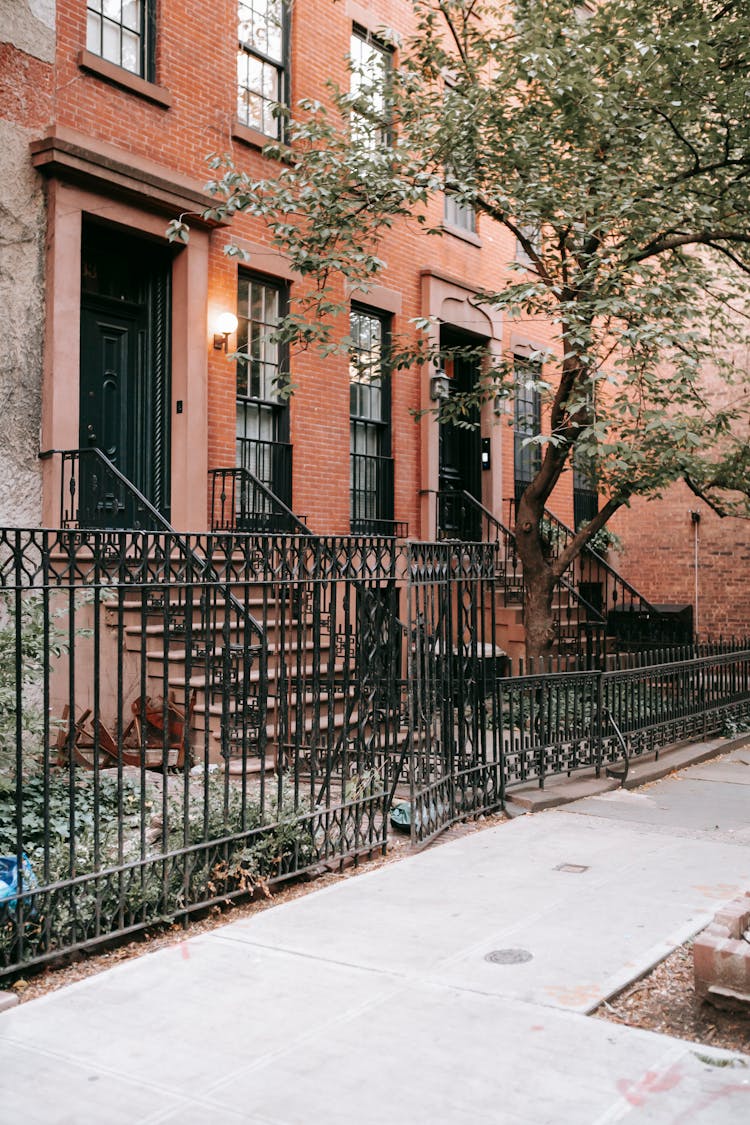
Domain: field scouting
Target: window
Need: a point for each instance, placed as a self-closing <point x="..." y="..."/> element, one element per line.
<point x="458" y="214"/>
<point x="122" y="32"/>
<point x="370" y="429"/>
<point x="261" y="64"/>
<point x="371" y="66"/>
<point x="532" y="232"/>
<point x="527" y="422"/>
<point x="262" y="416"/>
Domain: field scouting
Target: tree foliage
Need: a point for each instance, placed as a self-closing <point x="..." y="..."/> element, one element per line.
<point x="619" y="131"/>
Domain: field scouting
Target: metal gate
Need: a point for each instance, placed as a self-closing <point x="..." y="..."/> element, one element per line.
<point x="453" y="662"/>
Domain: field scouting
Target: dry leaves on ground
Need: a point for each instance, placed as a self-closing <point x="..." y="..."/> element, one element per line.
<point x="665" y="1001"/>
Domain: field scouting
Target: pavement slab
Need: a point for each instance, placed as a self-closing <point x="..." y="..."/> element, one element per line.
<point x="437" y="915"/>
<point x="374" y="999"/>
<point x="711" y="797"/>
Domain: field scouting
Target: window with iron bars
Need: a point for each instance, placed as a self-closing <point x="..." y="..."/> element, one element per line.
<point x="262" y="64"/>
<point x="262" y="416"/>
<point x="371" y="63"/>
<point x="527" y="422"/>
<point x="371" y="464"/>
<point x="123" y="33"/>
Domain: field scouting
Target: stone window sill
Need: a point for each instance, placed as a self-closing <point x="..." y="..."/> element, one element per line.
<point x="118" y="76"/>
<point x="249" y="136"/>
<point x="465" y="235"/>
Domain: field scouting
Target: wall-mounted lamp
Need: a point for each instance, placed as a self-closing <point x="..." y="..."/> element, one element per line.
<point x="500" y="404"/>
<point x="440" y="385"/>
<point x="226" y="324"/>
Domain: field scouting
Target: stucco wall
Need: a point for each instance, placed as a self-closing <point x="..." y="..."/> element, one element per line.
<point x="27" y="44"/>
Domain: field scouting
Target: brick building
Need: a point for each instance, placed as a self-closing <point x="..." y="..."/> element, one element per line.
<point x="107" y="116"/>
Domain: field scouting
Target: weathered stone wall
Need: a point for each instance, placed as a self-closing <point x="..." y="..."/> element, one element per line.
<point x="27" y="47"/>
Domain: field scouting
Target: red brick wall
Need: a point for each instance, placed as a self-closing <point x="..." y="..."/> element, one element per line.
<point x="658" y="558"/>
<point x="195" y="61"/>
<point x="27" y="88"/>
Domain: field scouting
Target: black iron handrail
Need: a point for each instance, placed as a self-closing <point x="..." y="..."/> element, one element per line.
<point x="564" y="534"/>
<point x="225" y="514"/>
<point x="642" y="620"/>
<point x="70" y="517"/>
<point x="506" y="542"/>
<point x="73" y="457"/>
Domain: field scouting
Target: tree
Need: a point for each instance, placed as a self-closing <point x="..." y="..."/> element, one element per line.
<point x="620" y="131"/>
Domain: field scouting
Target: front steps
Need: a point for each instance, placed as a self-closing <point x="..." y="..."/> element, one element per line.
<point x="301" y="687"/>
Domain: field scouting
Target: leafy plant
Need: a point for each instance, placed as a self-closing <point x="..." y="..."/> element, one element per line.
<point x="733" y="726"/>
<point x="154" y="886"/>
<point x="33" y="632"/>
<point x="603" y="540"/>
<point x="46" y="810"/>
<point x="27" y="639"/>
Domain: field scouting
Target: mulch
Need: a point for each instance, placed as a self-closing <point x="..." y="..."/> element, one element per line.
<point x="665" y="1001"/>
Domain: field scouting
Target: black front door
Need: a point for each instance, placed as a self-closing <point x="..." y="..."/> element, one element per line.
<point x="460" y="450"/>
<point x="124" y="381"/>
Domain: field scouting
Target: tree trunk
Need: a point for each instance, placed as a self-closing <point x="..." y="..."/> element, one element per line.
<point x="539" y="617"/>
<point x="539" y="581"/>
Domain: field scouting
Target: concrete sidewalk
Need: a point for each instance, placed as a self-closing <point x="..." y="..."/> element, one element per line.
<point x="448" y="988"/>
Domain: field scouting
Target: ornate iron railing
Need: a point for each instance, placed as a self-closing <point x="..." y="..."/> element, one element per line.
<point x="157" y="758"/>
<point x="629" y="616"/>
<point x="459" y="516"/>
<point x="371" y="492"/>
<point x="240" y="501"/>
<point x="580" y="624"/>
<point x="94" y="494"/>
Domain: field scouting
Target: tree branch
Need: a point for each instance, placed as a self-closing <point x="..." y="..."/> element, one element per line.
<point x="715" y="505"/>
<point x="579" y="541"/>
<point x="697" y="238"/>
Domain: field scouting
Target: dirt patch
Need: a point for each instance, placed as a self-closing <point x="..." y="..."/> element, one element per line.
<point x="88" y="965"/>
<point x="665" y="1001"/>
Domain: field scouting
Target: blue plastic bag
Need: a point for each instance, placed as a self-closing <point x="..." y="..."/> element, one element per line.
<point x="9" y="880"/>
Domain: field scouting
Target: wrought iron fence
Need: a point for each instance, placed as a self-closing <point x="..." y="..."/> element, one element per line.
<point x="185" y="719"/>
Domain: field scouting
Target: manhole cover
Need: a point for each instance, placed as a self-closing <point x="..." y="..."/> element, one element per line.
<point x="508" y="956"/>
<point x="572" y="868"/>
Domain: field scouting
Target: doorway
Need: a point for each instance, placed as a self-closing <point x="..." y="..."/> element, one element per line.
<point x="460" y="446"/>
<point x="124" y="377"/>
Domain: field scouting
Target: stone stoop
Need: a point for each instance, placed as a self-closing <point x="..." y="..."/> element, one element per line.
<point x="721" y="955"/>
